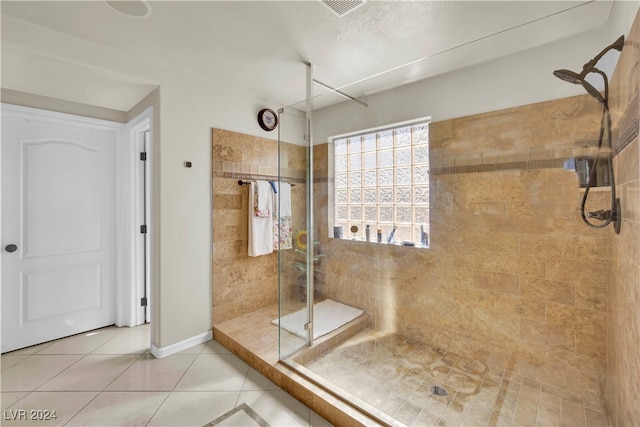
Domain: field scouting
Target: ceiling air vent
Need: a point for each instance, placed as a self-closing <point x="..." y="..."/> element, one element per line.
<point x="342" y="7"/>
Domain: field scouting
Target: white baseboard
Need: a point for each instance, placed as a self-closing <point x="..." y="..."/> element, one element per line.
<point x="160" y="352"/>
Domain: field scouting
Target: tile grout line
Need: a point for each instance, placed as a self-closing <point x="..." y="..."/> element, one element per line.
<point x="475" y="396"/>
<point x="538" y="401"/>
<point x="495" y="397"/>
<point x="175" y="385"/>
<point x="515" y="408"/>
<point x="242" y="387"/>
<point x="58" y="374"/>
<point x="125" y="370"/>
<point x="158" y="408"/>
<point x="498" y="398"/>
<point x="98" y="393"/>
<point x="82" y="409"/>
<point x="186" y="370"/>
<point x="107" y="341"/>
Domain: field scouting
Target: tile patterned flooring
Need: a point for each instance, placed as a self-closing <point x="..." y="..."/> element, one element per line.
<point x="107" y="377"/>
<point x="395" y="375"/>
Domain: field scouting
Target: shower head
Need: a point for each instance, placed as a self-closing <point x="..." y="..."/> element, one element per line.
<point x="590" y="67"/>
<point x="575" y="78"/>
<point x="568" y="76"/>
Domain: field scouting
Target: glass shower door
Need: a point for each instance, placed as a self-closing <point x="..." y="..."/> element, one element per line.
<point x="294" y="282"/>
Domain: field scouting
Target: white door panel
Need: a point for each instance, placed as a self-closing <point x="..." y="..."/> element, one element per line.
<point x="58" y="208"/>
<point x="62" y="214"/>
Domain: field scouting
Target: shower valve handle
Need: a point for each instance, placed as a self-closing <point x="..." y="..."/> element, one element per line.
<point x="601" y="215"/>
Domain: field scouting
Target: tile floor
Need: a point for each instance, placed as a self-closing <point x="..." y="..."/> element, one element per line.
<point x="108" y="378"/>
<point x="396" y="375"/>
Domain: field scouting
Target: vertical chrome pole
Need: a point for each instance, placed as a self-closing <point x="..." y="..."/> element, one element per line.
<point x="310" y="234"/>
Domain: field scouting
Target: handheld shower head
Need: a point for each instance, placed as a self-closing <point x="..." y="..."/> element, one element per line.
<point x="568" y="76"/>
<point x="575" y="78"/>
<point x="595" y="92"/>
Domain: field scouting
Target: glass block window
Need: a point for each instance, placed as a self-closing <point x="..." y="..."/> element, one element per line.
<point x="382" y="180"/>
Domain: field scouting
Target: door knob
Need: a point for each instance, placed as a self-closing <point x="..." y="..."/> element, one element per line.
<point x="11" y="248"/>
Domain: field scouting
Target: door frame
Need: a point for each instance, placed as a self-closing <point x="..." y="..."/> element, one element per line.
<point x="131" y="287"/>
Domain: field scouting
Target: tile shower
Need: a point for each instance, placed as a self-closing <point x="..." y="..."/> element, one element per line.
<point x="524" y="315"/>
<point x="512" y="280"/>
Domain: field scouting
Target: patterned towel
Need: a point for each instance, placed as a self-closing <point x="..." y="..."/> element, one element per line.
<point x="263" y="199"/>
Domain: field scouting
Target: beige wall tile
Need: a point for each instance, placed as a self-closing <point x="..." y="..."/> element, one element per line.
<point x="591" y="345"/>
<point x="622" y="300"/>
<point x="559" y="292"/>
<point x="591" y="298"/>
<point x="242" y="284"/>
<point x="560" y="314"/>
<point x="498" y="282"/>
<point x="533" y="332"/>
<point x="558" y="336"/>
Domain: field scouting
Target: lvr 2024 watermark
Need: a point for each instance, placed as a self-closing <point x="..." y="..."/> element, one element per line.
<point x="29" y="415"/>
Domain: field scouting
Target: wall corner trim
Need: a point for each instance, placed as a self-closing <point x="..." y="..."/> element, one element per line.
<point x="160" y="352"/>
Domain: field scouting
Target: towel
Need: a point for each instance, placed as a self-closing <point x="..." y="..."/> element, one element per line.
<point x="282" y="223"/>
<point x="285" y="199"/>
<point x="263" y="202"/>
<point x="260" y="229"/>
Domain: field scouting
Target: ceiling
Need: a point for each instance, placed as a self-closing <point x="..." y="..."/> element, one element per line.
<point x="86" y="51"/>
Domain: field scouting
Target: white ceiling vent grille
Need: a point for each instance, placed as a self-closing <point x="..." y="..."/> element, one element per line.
<point x="342" y="7"/>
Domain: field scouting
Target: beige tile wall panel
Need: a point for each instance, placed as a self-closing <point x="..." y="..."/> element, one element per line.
<point x="623" y="296"/>
<point x="243" y="284"/>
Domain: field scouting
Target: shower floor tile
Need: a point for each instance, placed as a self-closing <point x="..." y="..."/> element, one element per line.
<point x="397" y="376"/>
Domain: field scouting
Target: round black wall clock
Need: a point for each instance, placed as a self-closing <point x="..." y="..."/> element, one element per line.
<point x="267" y="119"/>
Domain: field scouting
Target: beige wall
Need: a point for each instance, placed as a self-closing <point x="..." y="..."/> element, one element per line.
<point x="623" y="379"/>
<point x="242" y="284"/>
<point x="512" y="277"/>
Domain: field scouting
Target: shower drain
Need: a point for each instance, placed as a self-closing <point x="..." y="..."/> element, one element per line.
<point x="438" y="391"/>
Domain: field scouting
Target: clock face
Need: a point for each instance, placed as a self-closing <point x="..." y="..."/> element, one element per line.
<point x="267" y="119"/>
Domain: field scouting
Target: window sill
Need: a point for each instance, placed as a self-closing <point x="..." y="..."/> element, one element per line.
<point x="373" y="242"/>
<point x="595" y="189"/>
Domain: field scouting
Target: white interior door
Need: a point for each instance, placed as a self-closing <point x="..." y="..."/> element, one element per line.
<point x="58" y="212"/>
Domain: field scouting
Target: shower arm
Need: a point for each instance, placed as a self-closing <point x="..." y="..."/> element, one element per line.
<point x="590" y="66"/>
